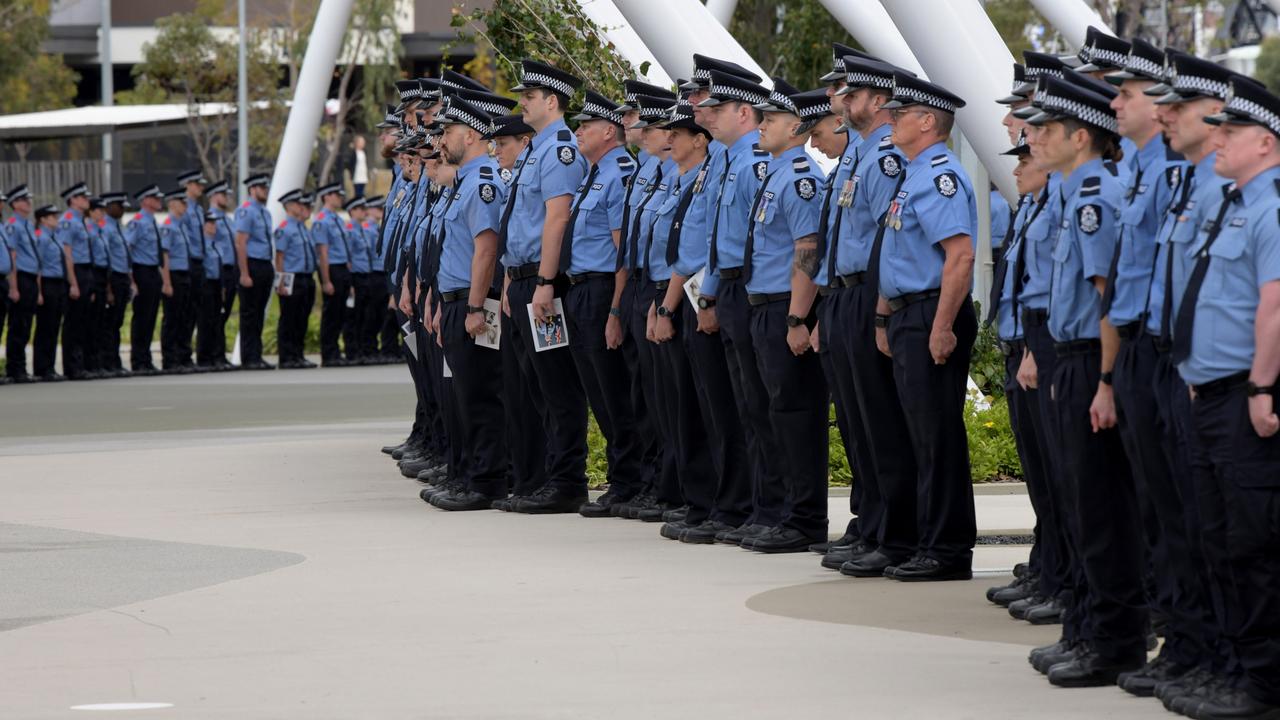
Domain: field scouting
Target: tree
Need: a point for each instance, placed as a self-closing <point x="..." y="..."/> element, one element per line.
<point x="789" y="38"/>
<point x="1267" y="69"/>
<point x="30" y="80"/>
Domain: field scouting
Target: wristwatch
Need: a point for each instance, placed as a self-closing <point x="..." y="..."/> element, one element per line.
<point x="1105" y="378"/>
<point x="615" y="312"/>
<point x="540" y="281"/>
<point x="706" y="303"/>
<point x="794" y="321"/>
<point x="1252" y="389"/>
<point x="882" y="321"/>
<point x="475" y="309"/>
<point x="664" y="312"/>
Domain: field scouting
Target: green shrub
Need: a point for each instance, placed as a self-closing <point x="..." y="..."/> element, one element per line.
<point x="993" y="453"/>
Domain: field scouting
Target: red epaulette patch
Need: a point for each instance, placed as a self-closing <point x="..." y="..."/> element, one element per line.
<point x="68" y="216"/>
<point x="12" y="220"/>
<point x="166" y="220"/>
<point x="350" y="226"/>
<point x="38" y="232"/>
<point x="320" y="215"/>
<point x="364" y="225"/>
<point x="283" y="223"/>
<point x="102" y="223"/>
<point x="246" y="204"/>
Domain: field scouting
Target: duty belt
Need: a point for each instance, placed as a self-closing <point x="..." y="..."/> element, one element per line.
<point x="1077" y="347"/>
<point x="900" y="302"/>
<point x="583" y="277"/>
<point x="1222" y="386"/>
<point x="1129" y="331"/>
<point x="731" y="273"/>
<point x="851" y="280"/>
<point x="455" y="295"/>
<point x="662" y="284"/>
<point x="520" y="272"/>
<point x="1008" y="348"/>
<point x="1035" y="318"/>
<point x="757" y="299"/>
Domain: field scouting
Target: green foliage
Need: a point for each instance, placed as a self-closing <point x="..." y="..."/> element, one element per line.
<point x="1267" y="69"/>
<point x="993" y="452"/>
<point x="1012" y="18"/>
<point x="30" y="81"/>
<point x="553" y="31"/>
<point x="789" y="38"/>
<point x="839" y="471"/>
<point x="986" y="366"/>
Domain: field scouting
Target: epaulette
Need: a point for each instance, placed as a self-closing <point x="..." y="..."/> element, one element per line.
<point x="246" y="204"/>
<point x="38" y="232"/>
<point x="886" y="142"/>
<point x="486" y="172"/>
<point x="320" y="215"/>
<point x="800" y="165"/>
<point x="12" y="220"/>
<point x="167" y="220"/>
<point x="351" y="226"/>
<point x="1173" y="176"/>
<point x="68" y="216"/>
<point x="1091" y="186"/>
<point x="938" y="160"/>
<point x="755" y="148"/>
<point x="564" y="136"/>
<point x="282" y="224"/>
<point x="625" y="163"/>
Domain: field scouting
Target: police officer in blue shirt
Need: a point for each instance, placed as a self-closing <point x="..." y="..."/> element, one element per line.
<point x="1112" y="59"/>
<point x="253" y="257"/>
<point x="1078" y="137"/>
<point x="363" y="260"/>
<point x="20" y="237"/>
<point x="95" y="224"/>
<point x="733" y="120"/>
<point x="333" y="246"/>
<point x="210" y="332"/>
<point x="1225" y="343"/>
<point x="76" y="330"/>
<point x="923" y="266"/>
<point x="886" y="529"/>
<point x="178" y="286"/>
<point x="56" y="266"/>
<point x="224" y="249"/>
<point x="8" y="279"/>
<point x="142" y="235"/>
<point x="551" y="174"/>
<point x="119" y="289"/>
<point x="192" y="184"/>
<point x="781" y="255"/>
<point x="296" y="255"/>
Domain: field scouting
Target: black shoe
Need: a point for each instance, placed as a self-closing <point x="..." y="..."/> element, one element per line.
<point x="1143" y="682"/>
<point x="786" y="540"/>
<point x="1060" y="651"/>
<point x="742" y="533"/>
<point x="121" y="373"/>
<point x="1020" y="569"/>
<point x="705" y="532"/>
<point x="672" y="530"/>
<point x="926" y="569"/>
<point x="654" y="512"/>
<point x="24" y="379"/>
<point x="838" y="555"/>
<point x="305" y="364"/>
<point x="146" y="370"/>
<point x="1018" y="608"/>
<point x="1049" y="613"/>
<point x="603" y="506"/>
<point x="6" y="380"/>
<point x="844" y="540"/>
<point x="391" y="449"/>
<point x="464" y="501"/>
<point x="1046" y="662"/>
<point x="749" y="542"/>
<point x="1234" y="705"/>
<point x="1092" y="670"/>
<point x="549" y="500"/>
<point x="334" y="362"/>
<point x="433" y="475"/>
<point x="408" y="447"/>
<point x="504" y="504"/>
<point x="78" y="375"/>
<point x="676" y="514"/>
<point x="411" y="467"/>
<point x="868" y="565"/>
<point x="51" y="377"/>
<point x="1020" y="588"/>
<point x="1185" y="703"/>
<point x="1169" y="689"/>
<point x="627" y="510"/>
<point x="257" y="365"/>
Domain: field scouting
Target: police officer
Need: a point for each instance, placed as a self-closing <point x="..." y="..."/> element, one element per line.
<point x="120" y="287"/>
<point x="95" y="224"/>
<point x="253" y="256"/>
<point x="224" y="249"/>
<point x="23" y="291"/>
<point x="1225" y="341"/>
<point x="143" y="238"/>
<point x="192" y="184"/>
<point x="211" y="343"/>
<point x="385" y="335"/>
<point x="8" y="282"/>
<point x="363" y="258"/>
<point x="72" y="231"/>
<point x="57" y="274"/>
<point x="333" y="248"/>
<point x="295" y="255"/>
<point x="884" y="461"/>
<point x="1079" y="135"/>
<point x="593" y="302"/>
<point x="177" y="286"/>
<point x="924" y="269"/>
<point x="552" y="172"/>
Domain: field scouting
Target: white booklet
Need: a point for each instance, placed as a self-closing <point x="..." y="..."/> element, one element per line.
<point x="410" y="338"/>
<point x="492" y="336"/>
<point x="284" y="280"/>
<point x="693" y="286"/>
<point x="551" y="334"/>
<point x="448" y="371"/>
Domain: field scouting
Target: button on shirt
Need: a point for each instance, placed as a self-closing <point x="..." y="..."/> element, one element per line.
<point x="71" y="229"/>
<point x="21" y="236"/>
<point x="745" y="171"/>
<point x="554" y="168"/>
<point x="1179" y="231"/>
<point x="224" y="239"/>
<point x="789" y="208"/>
<point x="253" y="220"/>
<point x="1150" y="191"/>
<point x="294" y="240"/>
<point x="935" y="202"/>
<point x="143" y="235"/>
<point x="328" y="228"/>
<point x="866" y="195"/>
<point x="477" y="207"/>
<point x="600" y="206"/>
<point x="1083" y="249"/>
<point x="51" y="244"/>
<point x="692" y="251"/>
<point x="1244" y="257"/>
<point x="177" y="244"/>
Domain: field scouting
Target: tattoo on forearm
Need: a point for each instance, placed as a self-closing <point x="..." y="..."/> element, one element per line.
<point x="807" y="257"/>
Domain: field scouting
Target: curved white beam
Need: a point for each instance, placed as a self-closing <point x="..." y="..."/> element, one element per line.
<point x="616" y="29"/>
<point x="676" y="29"/>
<point x="869" y="24"/>
<point x="1071" y="18"/>
<point x="722" y="10"/>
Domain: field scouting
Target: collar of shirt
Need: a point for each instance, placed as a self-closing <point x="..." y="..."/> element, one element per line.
<point x="779" y="162"/>
<point x="470" y="166"/>
<point x="746" y="143"/>
<point x="1071" y="185"/>
<point x="926" y="156"/>
<point x="548" y="133"/>
<point x="1154" y="151"/>
<point x="876" y="136"/>
<point x="1261" y="186"/>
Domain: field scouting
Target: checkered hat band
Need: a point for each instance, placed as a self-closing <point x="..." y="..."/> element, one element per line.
<point x="629" y="99"/>
<point x="391" y="118"/>
<point x="1034" y="72"/>
<point x="1185" y="84"/>
<point x="837" y="63"/>
<point x="778" y="98"/>
<point x="701" y="74"/>
<point x="1143" y="66"/>
<point x="467" y="119"/>
<point x="602" y="112"/>
<point x="547" y="81"/>
<point x="1084" y="113"/>
<point x="411" y="94"/>
<point x="492" y="108"/>
<point x="1108" y="56"/>
<point x="451" y="84"/>
<point x="1257" y="112"/>
<point x="925" y="98"/>
<point x="813" y="112"/>
<point x="740" y="94"/>
<point x="881" y="81"/>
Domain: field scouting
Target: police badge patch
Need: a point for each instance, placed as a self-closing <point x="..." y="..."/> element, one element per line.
<point x="889" y="166"/>
<point x="805" y="188"/>
<point x="506" y="175"/>
<point x="486" y="193"/>
<point x="1088" y="217"/>
<point x="947" y="184"/>
<point x="567" y="155"/>
<point x="762" y="169"/>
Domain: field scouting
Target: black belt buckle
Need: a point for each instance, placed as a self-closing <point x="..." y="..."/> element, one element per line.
<point x="853" y="279"/>
<point x="731" y="273"/>
<point x="900" y="302"/>
<point x="455" y="295"/>
<point x="1129" y="331"/>
<point x="662" y="284"/>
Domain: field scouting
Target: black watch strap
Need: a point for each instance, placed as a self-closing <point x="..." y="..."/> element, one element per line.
<point x="1252" y="389"/>
<point x="706" y="302"/>
<point x="882" y="321"/>
<point x="475" y="309"/>
<point x="1107" y="378"/>
<point x="794" y="321"/>
<point x="540" y="281"/>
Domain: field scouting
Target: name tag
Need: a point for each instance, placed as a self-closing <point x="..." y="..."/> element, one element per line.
<point x="1237" y="222"/>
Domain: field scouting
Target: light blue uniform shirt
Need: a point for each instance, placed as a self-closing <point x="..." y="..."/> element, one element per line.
<point x="1205" y="192"/>
<point x="1008" y="326"/>
<point x="877" y="170"/>
<point x="1244" y="257"/>
<point x="664" y="205"/>
<point x="50" y="244"/>
<point x="1150" y="190"/>
<point x="839" y="179"/>
<point x="6" y="260"/>
<point x="745" y="171"/>
<point x="692" y="251"/>
<point x="363" y="256"/>
<point x="225" y="239"/>
<point x="789" y="208"/>
<point x="600" y="208"/>
<point x="477" y="207"/>
<point x="143" y="235"/>
<point x="1083" y="249"/>
<point x="1038" y="244"/>
<point x="553" y="169"/>
<point x="293" y="239"/>
<point x="935" y="202"/>
<point x="661" y="189"/>
<point x="1000" y="213"/>
<point x="101" y="258"/>
<point x="117" y="248"/>
<point x="212" y="267"/>
<point x="253" y="220"/>
<point x="72" y="230"/>
<point x="179" y="245"/>
<point x="328" y="228"/>
<point x="644" y="182"/>
<point x="21" y="234"/>
<point x="193" y="223"/>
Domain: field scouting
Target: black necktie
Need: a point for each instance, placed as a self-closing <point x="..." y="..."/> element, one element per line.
<point x="873" y="263"/>
<point x="1020" y="265"/>
<point x="1109" y="290"/>
<point x="748" y="252"/>
<point x="1166" y="303"/>
<point x="342" y="233"/>
<point x="824" y="225"/>
<point x="231" y="235"/>
<point x="511" y="202"/>
<point x="625" y="239"/>
<point x="1185" y="323"/>
<point x="35" y="249"/>
<point x="677" y="222"/>
<point x="713" y="256"/>
<point x="633" y="253"/>
<point x="1002" y="265"/>
<point x="435" y="249"/>
<point x="566" y="240"/>
<point x="93" y="251"/>
<point x="159" y="251"/>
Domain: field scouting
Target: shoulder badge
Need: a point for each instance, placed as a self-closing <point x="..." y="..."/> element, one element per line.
<point x="805" y="188"/>
<point x="755" y="148"/>
<point x="1089" y="218"/>
<point x="320" y="215"/>
<point x="937" y="160"/>
<point x="506" y="175"/>
<point x="762" y="170"/>
<point x="12" y="220"/>
<point x="487" y="193"/>
<point x="889" y="165"/>
<point x="947" y="184"/>
<point x="351" y="226"/>
<point x="246" y="204"/>
<point x="886" y="142"/>
<point x="800" y="165"/>
<point x="1090" y="186"/>
<point x="283" y="223"/>
<point x="564" y="136"/>
<point x="486" y="172"/>
<point x="38" y="232"/>
<point x="566" y="154"/>
<point x="68" y="216"/>
<point x="168" y="220"/>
